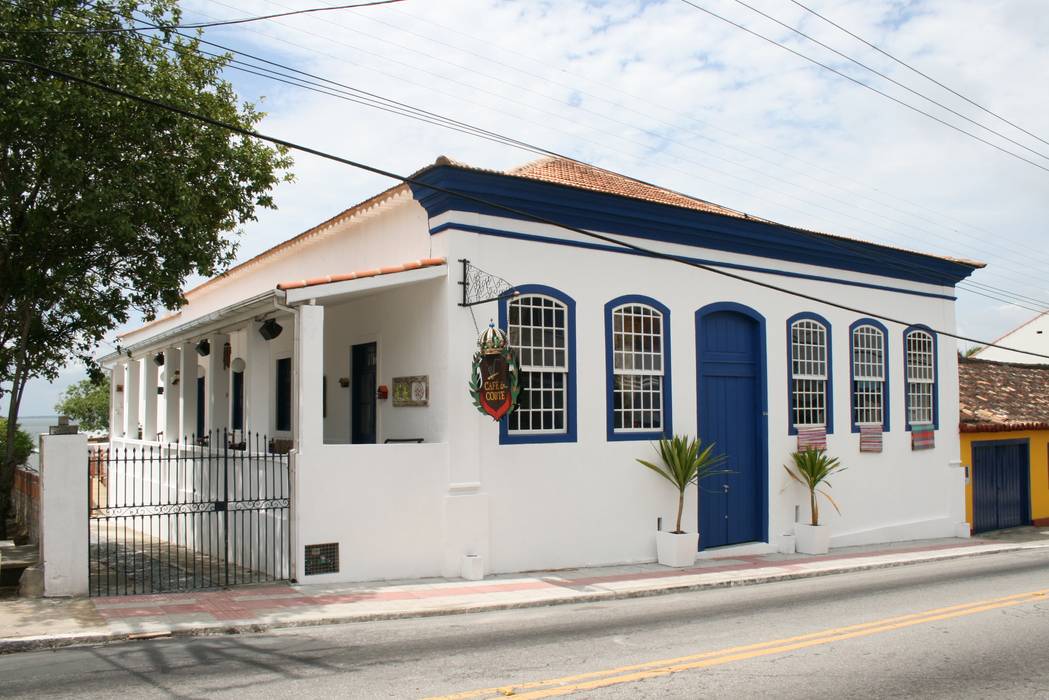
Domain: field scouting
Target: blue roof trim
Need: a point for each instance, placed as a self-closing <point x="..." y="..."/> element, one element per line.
<point x="668" y="403"/>
<point x="505" y="436"/>
<point x="615" y="214"/>
<point x="792" y="429"/>
<point x="885" y="403"/>
<point x="486" y="231"/>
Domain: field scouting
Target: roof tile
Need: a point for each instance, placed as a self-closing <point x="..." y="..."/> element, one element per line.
<point x="996" y="396"/>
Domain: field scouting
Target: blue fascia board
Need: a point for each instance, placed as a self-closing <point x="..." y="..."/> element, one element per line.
<point x="624" y="216"/>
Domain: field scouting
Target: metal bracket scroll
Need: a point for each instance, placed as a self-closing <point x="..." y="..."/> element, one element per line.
<point x="480" y="287"/>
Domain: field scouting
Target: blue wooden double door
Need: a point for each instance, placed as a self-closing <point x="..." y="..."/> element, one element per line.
<point x="732" y="411"/>
<point x="1001" y="474"/>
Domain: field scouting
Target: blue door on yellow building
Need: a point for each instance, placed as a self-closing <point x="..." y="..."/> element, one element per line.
<point x="1001" y="484"/>
<point x="732" y="410"/>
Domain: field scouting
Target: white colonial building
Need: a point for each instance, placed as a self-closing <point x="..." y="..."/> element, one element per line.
<point x="350" y="346"/>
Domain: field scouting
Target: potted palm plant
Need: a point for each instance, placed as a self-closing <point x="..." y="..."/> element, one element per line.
<point x="812" y="468"/>
<point x="684" y="462"/>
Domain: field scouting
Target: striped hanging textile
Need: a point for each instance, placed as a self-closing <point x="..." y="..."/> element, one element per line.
<point x="870" y="438"/>
<point x="922" y="437"/>
<point x="812" y="438"/>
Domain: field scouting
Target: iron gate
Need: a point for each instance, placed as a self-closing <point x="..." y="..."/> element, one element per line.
<point x="204" y="513"/>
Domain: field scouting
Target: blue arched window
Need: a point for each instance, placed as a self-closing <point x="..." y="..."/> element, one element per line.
<point x="540" y="324"/>
<point x="637" y="362"/>
<point x="869" y="365"/>
<point x="922" y="374"/>
<point x="810" y="372"/>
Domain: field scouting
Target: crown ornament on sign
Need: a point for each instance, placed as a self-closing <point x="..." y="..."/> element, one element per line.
<point x="492" y="341"/>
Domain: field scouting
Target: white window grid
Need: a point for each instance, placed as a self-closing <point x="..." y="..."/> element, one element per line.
<point x="808" y="361"/>
<point x="637" y="367"/>
<point x="537" y="327"/>
<point x="868" y="375"/>
<point x="921" y="377"/>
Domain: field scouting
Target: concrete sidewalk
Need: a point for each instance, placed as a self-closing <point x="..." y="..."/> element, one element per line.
<point x="27" y="624"/>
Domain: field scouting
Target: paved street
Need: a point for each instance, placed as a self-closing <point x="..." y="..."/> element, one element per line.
<point x="963" y="628"/>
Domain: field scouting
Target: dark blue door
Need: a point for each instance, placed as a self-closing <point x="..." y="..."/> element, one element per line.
<point x="1000" y="484"/>
<point x="731" y="385"/>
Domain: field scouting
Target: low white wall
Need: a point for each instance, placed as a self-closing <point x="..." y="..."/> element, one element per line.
<point x="383" y="505"/>
<point x="63" y="514"/>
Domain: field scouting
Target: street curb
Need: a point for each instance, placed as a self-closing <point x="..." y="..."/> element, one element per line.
<point x="51" y="642"/>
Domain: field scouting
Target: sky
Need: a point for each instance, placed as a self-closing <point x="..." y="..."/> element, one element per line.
<point x="661" y="91"/>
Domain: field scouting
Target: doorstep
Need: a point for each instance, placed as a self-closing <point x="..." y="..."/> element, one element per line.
<point x="732" y="551"/>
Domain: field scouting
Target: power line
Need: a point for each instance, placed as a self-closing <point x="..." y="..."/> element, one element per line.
<point x="410" y="111"/>
<point x="201" y="25"/>
<point x="411" y="180"/>
<point x="605" y="115"/>
<point x="466" y="128"/>
<point x="806" y="172"/>
<point x="866" y="85"/>
<point x="889" y="78"/>
<point x="915" y="70"/>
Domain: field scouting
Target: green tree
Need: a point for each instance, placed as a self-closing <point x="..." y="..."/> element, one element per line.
<point x="87" y="402"/>
<point x="22" y="442"/>
<point x="106" y="206"/>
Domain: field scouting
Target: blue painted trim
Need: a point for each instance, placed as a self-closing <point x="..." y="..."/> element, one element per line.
<point x="886" y="423"/>
<point x="790" y="372"/>
<point x="763" y="419"/>
<point x="487" y="231"/>
<point x="935" y="376"/>
<point x="505" y="437"/>
<point x="615" y="214"/>
<point x="668" y="422"/>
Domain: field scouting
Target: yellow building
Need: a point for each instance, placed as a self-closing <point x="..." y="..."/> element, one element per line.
<point x="1004" y="411"/>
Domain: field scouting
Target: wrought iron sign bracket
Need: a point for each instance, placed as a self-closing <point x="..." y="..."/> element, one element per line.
<point x="480" y="287"/>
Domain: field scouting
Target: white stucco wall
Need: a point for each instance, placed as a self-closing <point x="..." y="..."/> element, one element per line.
<point x="1032" y="336"/>
<point x="598" y="505"/>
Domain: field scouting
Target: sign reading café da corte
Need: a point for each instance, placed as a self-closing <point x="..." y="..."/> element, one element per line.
<point x="495" y="379"/>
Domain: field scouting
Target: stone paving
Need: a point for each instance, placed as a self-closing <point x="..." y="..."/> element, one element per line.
<point x="260" y="607"/>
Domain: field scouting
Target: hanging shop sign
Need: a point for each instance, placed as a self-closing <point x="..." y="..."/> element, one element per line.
<point x="495" y="379"/>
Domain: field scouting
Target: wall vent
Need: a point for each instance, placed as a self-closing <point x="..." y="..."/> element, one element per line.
<point x="322" y="558"/>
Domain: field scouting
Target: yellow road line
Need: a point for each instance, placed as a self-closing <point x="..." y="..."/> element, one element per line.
<point x="636" y="672"/>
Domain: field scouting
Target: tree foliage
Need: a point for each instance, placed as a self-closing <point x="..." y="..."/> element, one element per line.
<point x="86" y="402"/>
<point x="106" y="205"/>
<point x="23" y="442"/>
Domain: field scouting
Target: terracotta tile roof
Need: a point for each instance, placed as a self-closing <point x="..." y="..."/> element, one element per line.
<point x="588" y="177"/>
<point x="999" y="396"/>
<point x="361" y="274"/>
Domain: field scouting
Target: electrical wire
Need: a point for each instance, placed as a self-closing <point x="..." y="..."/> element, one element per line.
<point x="413" y="180"/>
<point x="915" y="70"/>
<point x="498" y="138"/>
<point x="202" y="25"/>
<point x="892" y="80"/>
<point x="867" y="86"/>
<point x="978" y="243"/>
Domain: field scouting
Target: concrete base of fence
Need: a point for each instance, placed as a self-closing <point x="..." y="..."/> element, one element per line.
<point x="63" y="514"/>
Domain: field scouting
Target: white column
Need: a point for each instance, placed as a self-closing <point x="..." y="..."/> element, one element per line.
<point x="171" y="396"/>
<point x="307" y="421"/>
<point x="132" y="397"/>
<point x="149" y="392"/>
<point x="218" y="386"/>
<point x="63" y="514"/>
<point x="258" y="382"/>
<point x="116" y="400"/>
<point x="187" y="391"/>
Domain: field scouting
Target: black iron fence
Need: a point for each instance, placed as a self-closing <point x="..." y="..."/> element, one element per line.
<point x="203" y="513"/>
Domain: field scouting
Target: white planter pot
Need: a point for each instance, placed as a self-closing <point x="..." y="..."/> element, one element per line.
<point x="677" y="549"/>
<point x="812" y="539"/>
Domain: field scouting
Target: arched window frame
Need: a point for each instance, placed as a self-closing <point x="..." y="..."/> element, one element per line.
<point x="910" y="330"/>
<point x="506" y="437"/>
<point x="666" y="429"/>
<point x="829" y="390"/>
<point x="885" y="372"/>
